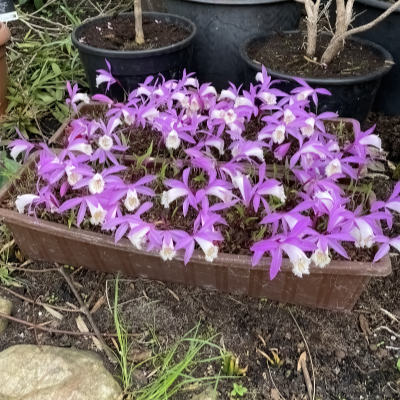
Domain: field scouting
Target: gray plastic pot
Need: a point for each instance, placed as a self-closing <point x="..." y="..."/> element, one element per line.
<point x="224" y="24"/>
<point x="132" y="67"/>
<point x="351" y="96"/>
<point x="387" y="34"/>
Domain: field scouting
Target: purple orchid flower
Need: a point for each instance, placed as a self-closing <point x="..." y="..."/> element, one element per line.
<point x="304" y="91"/>
<point x="97" y="182"/>
<point x="179" y="189"/>
<point x="292" y="245"/>
<point x="19" y="146"/>
<point x="123" y="223"/>
<point x="204" y="237"/>
<point x="216" y="187"/>
<point x="385" y="247"/>
<point x="105" y="76"/>
<point x="75" y="97"/>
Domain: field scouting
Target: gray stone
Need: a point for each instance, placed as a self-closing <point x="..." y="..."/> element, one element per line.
<point x="208" y="394"/>
<point x="29" y="372"/>
<point x="5" y="308"/>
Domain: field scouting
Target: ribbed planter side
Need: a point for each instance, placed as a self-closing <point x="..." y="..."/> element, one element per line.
<point x="387" y="34"/>
<point x="132" y="67"/>
<point x="337" y="287"/>
<point x="224" y="24"/>
<point x="352" y="97"/>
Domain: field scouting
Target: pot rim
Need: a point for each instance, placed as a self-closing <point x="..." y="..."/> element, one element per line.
<point x="5" y="34"/>
<point x="237" y="3"/>
<point x="134" y="53"/>
<point x="382" y="5"/>
<point x="388" y="63"/>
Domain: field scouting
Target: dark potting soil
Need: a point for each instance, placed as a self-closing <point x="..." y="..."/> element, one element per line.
<point x="348" y="363"/>
<point x="285" y="53"/>
<point x="388" y="129"/>
<point x="118" y="33"/>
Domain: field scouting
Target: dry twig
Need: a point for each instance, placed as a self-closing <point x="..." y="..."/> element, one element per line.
<point x="385" y="328"/>
<point x="273" y="383"/>
<point x="85" y="310"/>
<point x="308" y="351"/>
<point x="390" y="315"/>
<point x="302" y="366"/>
<point x="38" y="303"/>
<point x="41" y="327"/>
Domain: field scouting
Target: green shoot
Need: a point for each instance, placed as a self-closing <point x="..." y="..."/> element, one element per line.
<point x="238" y="390"/>
<point x="123" y="345"/>
<point x="231" y="365"/>
<point x="140" y="159"/>
<point x="175" y="376"/>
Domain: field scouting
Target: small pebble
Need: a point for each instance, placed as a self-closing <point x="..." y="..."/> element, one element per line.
<point x="6" y="308"/>
<point x="340" y="355"/>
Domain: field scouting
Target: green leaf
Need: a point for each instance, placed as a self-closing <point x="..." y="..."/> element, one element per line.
<point x="56" y="69"/>
<point x="8" y="168"/>
<point x="139" y="160"/>
<point x="38" y="4"/>
<point x="398" y="364"/>
<point x="46" y="98"/>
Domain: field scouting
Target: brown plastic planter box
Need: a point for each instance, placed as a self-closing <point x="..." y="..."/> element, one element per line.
<point x="336" y="287"/>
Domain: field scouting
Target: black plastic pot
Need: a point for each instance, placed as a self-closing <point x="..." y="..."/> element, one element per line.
<point x="351" y="96"/>
<point x="131" y="67"/>
<point x="387" y="34"/>
<point x="224" y="24"/>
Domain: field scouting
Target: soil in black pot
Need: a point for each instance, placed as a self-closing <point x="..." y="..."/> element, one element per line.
<point x="118" y="33"/>
<point x="286" y="53"/>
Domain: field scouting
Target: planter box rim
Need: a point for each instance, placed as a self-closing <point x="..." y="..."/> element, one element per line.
<point x="337" y="267"/>
<point x="383" y="5"/>
<point x="135" y="53"/>
<point x="324" y="81"/>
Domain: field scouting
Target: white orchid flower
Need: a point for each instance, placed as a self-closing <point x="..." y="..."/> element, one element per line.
<point x="73" y="177"/>
<point x="131" y="201"/>
<point x="98" y="214"/>
<point x="84" y="148"/>
<point x="24" y="200"/>
<point x="106" y="142"/>
<point x="138" y="238"/>
<point x="321" y="258"/>
<point x="308" y="130"/>
<point x="268" y="98"/>
<point x="278" y="135"/>
<point x="362" y="233"/>
<point x="96" y="184"/>
<point x="300" y="262"/>
<point x="171" y="195"/>
<point x="333" y="168"/>
<point x="173" y="141"/>
<point x="209" y="249"/>
<point x="17" y="150"/>
<point x="167" y="251"/>
<point x="288" y="116"/>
